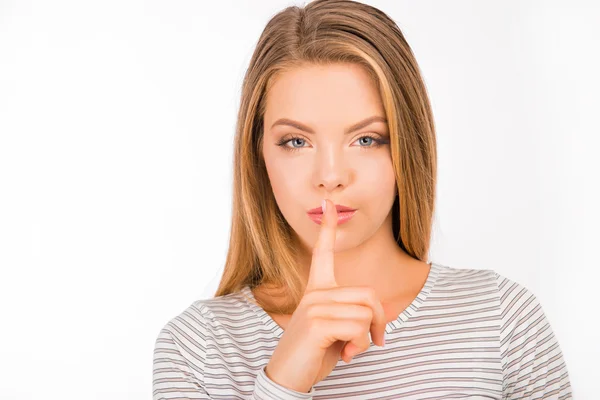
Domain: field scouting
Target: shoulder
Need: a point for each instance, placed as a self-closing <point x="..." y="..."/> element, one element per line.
<point x="204" y="322"/>
<point x="204" y="316"/>
<point x="523" y="324"/>
<point x="464" y="277"/>
<point x="509" y="293"/>
<point x="186" y="338"/>
<point x="521" y="313"/>
<point x="515" y="299"/>
<point x="507" y="289"/>
<point x="532" y="359"/>
<point x="517" y="308"/>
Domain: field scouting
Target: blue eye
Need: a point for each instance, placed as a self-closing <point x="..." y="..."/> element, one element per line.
<point x="377" y="142"/>
<point x="367" y="137"/>
<point x="291" y="140"/>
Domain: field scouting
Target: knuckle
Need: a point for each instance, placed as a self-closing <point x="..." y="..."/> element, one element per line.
<point x="308" y="297"/>
<point x="356" y="328"/>
<point x="371" y="296"/>
<point x="313" y="296"/>
<point x="311" y="311"/>
<point x="313" y="325"/>
<point x="366" y="313"/>
<point x="362" y="313"/>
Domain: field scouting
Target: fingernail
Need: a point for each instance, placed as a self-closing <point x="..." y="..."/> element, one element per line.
<point x="324" y="206"/>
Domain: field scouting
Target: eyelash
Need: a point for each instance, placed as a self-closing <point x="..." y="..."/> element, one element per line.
<point x="378" y="143"/>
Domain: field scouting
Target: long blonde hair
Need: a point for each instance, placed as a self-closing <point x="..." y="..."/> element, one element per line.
<point x="323" y="32"/>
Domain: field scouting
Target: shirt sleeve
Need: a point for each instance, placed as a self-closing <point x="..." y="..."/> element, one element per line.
<point x="532" y="361"/>
<point x="173" y="377"/>
<point x="179" y="363"/>
<point x="266" y="389"/>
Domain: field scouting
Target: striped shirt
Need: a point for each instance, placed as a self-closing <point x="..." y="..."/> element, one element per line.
<point x="469" y="333"/>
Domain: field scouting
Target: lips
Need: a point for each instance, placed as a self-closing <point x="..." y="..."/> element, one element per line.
<point x="338" y="207"/>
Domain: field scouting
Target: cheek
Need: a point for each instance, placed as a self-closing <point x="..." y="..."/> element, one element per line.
<point x="287" y="185"/>
<point x="287" y="181"/>
<point x="379" y="178"/>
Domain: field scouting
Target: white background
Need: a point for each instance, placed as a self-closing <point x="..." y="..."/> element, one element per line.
<point x="116" y="137"/>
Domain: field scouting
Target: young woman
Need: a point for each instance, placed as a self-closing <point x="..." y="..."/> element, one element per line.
<point x="335" y="116"/>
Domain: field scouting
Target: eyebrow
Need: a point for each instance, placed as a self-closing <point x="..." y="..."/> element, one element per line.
<point x="353" y="128"/>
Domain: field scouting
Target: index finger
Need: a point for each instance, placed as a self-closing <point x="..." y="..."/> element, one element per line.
<point x="321" y="274"/>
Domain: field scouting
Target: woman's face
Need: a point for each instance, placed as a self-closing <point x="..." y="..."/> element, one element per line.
<point x="352" y="169"/>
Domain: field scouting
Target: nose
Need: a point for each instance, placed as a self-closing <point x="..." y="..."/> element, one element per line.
<point x="331" y="170"/>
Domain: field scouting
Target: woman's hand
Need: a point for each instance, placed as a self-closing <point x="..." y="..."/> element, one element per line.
<point x="330" y="321"/>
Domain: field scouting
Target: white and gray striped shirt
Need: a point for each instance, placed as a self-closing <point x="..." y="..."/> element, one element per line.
<point x="469" y="333"/>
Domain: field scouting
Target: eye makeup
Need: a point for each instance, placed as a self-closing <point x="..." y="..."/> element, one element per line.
<point x="377" y="142"/>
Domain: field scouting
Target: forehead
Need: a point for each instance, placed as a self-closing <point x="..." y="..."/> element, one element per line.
<point x="323" y="94"/>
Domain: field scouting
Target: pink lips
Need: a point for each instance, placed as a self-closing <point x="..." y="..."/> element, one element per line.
<point x="344" y="214"/>
<point x="338" y="207"/>
<point x="343" y="217"/>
